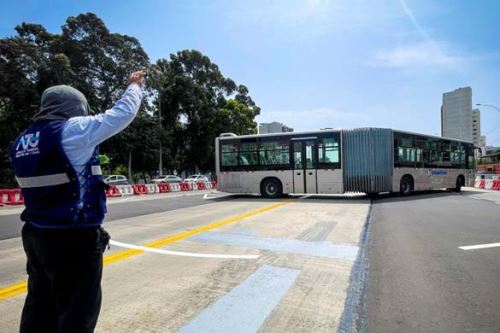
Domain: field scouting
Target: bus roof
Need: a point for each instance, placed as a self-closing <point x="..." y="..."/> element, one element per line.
<point x="229" y="136"/>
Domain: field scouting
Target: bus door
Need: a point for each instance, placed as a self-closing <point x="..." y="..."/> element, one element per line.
<point x="304" y="165"/>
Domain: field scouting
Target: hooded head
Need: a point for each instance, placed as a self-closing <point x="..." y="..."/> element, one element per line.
<point x="61" y="102"/>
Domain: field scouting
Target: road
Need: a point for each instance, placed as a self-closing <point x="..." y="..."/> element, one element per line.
<point x="297" y="280"/>
<point x="11" y="225"/>
<point x="303" y="264"/>
<point x="419" y="280"/>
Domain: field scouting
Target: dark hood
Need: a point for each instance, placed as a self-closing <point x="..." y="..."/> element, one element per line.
<point x="61" y="102"/>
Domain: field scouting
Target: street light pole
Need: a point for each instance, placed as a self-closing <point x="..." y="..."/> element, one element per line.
<point x="489" y="105"/>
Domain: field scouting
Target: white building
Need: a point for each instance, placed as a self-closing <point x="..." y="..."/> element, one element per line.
<point x="273" y="127"/>
<point x="456" y="115"/>
<point x="476" y="127"/>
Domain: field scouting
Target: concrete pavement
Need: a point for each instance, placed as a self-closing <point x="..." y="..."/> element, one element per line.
<point x="306" y="250"/>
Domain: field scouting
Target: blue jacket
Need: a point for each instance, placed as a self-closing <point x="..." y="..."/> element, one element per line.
<point x="55" y="194"/>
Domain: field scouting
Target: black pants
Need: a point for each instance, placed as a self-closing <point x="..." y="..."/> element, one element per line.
<point x="64" y="284"/>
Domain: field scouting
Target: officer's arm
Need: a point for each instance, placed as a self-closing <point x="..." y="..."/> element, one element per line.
<point x="90" y="131"/>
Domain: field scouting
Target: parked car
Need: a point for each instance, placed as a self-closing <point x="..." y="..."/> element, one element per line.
<point x="115" y="180"/>
<point x="167" y="179"/>
<point x="196" y="178"/>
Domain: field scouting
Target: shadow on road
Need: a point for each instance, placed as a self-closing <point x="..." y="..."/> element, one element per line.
<point x="343" y="198"/>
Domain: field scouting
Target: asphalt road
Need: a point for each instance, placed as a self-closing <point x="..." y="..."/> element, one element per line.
<point x="418" y="278"/>
<point x="10" y="225"/>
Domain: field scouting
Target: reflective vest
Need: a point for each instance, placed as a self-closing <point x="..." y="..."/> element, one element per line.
<point x="56" y="196"/>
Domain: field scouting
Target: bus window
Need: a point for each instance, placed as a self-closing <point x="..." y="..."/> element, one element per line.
<point x="229" y="154"/>
<point x="408" y="150"/>
<point x="274" y="153"/>
<point x="248" y="154"/>
<point x="328" y="151"/>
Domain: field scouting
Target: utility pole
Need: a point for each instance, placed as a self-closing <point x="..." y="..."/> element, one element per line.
<point x="160" y="164"/>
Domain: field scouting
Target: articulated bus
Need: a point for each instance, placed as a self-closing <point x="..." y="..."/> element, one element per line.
<point x="369" y="160"/>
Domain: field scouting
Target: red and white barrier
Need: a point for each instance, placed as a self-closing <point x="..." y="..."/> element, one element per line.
<point x="125" y="190"/>
<point x="11" y="197"/>
<point x="139" y="189"/>
<point x="175" y="187"/>
<point x="15" y="197"/>
<point x="113" y="192"/>
<point x="163" y="188"/>
<point x="152" y="188"/>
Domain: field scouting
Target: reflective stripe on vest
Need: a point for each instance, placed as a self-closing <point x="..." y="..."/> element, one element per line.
<point x="40" y="181"/>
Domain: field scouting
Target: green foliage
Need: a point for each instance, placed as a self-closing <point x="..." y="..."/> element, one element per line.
<point x="103" y="159"/>
<point x="120" y="170"/>
<point x="196" y="101"/>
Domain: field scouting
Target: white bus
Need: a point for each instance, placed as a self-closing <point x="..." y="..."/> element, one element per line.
<point x="369" y="160"/>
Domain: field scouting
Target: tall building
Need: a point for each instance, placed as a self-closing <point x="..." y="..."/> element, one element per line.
<point x="456" y="114"/>
<point x="476" y="127"/>
<point x="273" y="127"/>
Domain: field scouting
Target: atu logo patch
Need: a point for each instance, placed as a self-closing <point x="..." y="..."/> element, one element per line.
<point x="28" y="145"/>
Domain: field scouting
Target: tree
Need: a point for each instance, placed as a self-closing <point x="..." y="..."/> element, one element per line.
<point x="193" y="100"/>
<point x="86" y="55"/>
<point x="197" y="101"/>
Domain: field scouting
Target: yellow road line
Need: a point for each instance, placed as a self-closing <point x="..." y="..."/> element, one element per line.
<point x="21" y="287"/>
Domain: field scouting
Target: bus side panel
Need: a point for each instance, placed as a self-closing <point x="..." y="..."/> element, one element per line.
<point x="430" y="178"/>
<point x="330" y="181"/>
<point x="249" y="181"/>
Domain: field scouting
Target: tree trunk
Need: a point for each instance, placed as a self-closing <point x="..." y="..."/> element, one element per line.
<point x="130" y="167"/>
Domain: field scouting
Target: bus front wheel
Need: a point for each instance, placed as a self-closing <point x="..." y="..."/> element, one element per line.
<point x="406" y="185"/>
<point x="271" y="188"/>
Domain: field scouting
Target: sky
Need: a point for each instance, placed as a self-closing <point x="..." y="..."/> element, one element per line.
<point x="317" y="63"/>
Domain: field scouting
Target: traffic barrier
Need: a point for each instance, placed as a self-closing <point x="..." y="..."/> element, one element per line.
<point x="214" y="184"/>
<point x="477" y="182"/>
<point x="482" y="183"/>
<point x="151" y="188"/>
<point x="4" y="197"/>
<point x="174" y="187"/>
<point x="125" y="190"/>
<point x="208" y="185"/>
<point x="139" y="189"/>
<point x="489" y="184"/>
<point x="11" y="197"/>
<point x="200" y="186"/>
<point x="496" y="185"/>
<point x="163" y="188"/>
<point x="185" y="186"/>
<point x="113" y="191"/>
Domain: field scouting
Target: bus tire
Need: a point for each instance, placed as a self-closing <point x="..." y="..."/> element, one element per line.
<point x="271" y="188"/>
<point x="406" y="185"/>
<point x="459" y="183"/>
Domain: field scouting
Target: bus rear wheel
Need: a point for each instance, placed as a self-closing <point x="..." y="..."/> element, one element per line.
<point x="406" y="185"/>
<point x="271" y="188"/>
<point x="460" y="182"/>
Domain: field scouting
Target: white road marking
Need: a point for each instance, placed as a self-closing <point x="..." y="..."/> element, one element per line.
<point x="480" y="246"/>
<point x="182" y="254"/>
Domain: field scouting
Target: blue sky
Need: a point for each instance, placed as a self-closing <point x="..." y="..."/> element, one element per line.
<point x="319" y="63"/>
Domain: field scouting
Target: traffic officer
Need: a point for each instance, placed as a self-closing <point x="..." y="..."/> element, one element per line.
<point x="56" y="163"/>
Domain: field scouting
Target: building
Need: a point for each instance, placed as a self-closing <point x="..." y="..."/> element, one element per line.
<point x="456" y="114"/>
<point x="476" y="128"/>
<point x="273" y="127"/>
